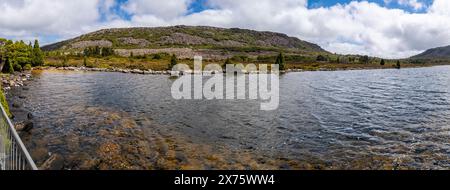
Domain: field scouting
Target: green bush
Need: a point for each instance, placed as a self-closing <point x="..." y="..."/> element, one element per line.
<point x="240" y="58"/>
<point x="280" y="62"/>
<point x="27" y="67"/>
<point x="398" y="65"/>
<point x="157" y="56"/>
<point x="321" y="58"/>
<point x="17" y="67"/>
<point x="266" y="58"/>
<point x="8" y="67"/>
<point x="173" y="61"/>
<point x="4" y="103"/>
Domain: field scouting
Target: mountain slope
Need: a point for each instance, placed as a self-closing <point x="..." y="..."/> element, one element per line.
<point x="435" y="53"/>
<point x="187" y="38"/>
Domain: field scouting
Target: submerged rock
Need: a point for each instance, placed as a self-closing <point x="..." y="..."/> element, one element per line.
<point x="26" y="126"/>
<point x="39" y="153"/>
<point x="55" y="162"/>
<point x="16" y="105"/>
<point x="30" y="116"/>
<point x="181" y="157"/>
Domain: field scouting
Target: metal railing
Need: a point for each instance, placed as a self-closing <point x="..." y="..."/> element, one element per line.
<point x="13" y="154"/>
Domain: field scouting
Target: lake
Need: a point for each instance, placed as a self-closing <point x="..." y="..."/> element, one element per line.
<point x="368" y="119"/>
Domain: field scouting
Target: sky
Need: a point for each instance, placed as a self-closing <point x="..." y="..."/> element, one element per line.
<point x="382" y="28"/>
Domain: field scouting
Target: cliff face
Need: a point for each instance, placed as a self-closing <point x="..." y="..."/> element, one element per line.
<point x="195" y="38"/>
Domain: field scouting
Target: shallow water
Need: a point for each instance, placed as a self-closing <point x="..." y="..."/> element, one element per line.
<point x="372" y="119"/>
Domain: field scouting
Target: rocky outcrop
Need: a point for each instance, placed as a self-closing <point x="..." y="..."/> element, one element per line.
<point x="185" y="39"/>
<point x="231" y="43"/>
<point x="85" y="44"/>
<point x="188" y="37"/>
<point x="180" y="52"/>
<point x="133" y="41"/>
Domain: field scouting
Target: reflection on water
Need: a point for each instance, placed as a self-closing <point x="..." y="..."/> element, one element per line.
<point x="377" y="119"/>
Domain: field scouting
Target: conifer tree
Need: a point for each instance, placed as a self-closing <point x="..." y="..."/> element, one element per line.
<point x="8" y="67"/>
<point x="38" y="58"/>
<point x="173" y="61"/>
<point x="85" y="61"/>
<point x="280" y="62"/>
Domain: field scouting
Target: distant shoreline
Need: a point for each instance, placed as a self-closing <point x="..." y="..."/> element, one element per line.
<point x="168" y="72"/>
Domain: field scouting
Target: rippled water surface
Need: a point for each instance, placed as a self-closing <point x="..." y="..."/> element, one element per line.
<point x="373" y="119"/>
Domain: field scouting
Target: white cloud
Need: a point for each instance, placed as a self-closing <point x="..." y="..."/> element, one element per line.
<point x="415" y="4"/>
<point x="166" y="9"/>
<point x="27" y="18"/>
<point x="441" y="7"/>
<point x="357" y="27"/>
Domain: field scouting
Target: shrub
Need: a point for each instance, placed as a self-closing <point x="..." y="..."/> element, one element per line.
<point x="85" y="62"/>
<point x="65" y="62"/>
<point x="173" y="61"/>
<point x="17" y="67"/>
<point x="240" y="58"/>
<point x="27" y="67"/>
<point x="364" y="59"/>
<point x="280" y="61"/>
<point x="228" y="62"/>
<point x="157" y="56"/>
<point x="4" y="103"/>
<point x="8" y="67"/>
<point x="321" y="58"/>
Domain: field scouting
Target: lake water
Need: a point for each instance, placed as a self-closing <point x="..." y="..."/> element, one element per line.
<point x="371" y="119"/>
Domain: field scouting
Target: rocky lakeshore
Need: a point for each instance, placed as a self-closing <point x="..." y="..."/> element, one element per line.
<point x="188" y="72"/>
<point x="18" y="80"/>
<point x="168" y="72"/>
<point x="22" y="119"/>
<point x="134" y="71"/>
<point x="14" y="80"/>
<point x="138" y="71"/>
